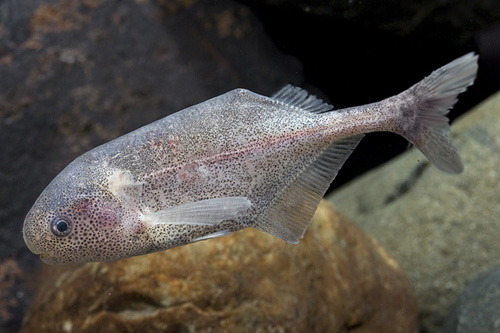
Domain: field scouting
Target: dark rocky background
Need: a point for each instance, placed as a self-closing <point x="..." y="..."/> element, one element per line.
<point x="77" y="73"/>
<point x="358" y="52"/>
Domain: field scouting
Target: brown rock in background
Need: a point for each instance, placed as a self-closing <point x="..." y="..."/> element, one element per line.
<point x="337" y="280"/>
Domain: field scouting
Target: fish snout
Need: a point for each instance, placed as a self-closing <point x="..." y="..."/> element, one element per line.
<point x="35" y="236"/>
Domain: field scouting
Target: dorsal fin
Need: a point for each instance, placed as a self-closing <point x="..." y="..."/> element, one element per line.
<point x="300" y="98"/>
<point x="291" y="211"/>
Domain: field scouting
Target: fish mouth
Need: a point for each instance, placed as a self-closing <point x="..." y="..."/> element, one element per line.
<point x="45" y="255"/>
<point x="47" y="258"/>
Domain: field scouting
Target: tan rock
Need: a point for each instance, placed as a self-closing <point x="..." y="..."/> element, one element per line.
<point x="336" y="280"/>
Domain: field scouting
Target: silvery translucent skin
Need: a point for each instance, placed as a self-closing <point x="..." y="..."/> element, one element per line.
<point x="236" y="161"/>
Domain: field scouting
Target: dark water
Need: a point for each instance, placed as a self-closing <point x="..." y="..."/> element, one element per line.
<point x="368" y="51"/>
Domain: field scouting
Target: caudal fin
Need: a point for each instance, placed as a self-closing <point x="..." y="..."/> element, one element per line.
<point x="434" y="97"/>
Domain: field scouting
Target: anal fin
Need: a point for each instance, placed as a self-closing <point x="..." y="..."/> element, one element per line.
<point x="294" y="207"/>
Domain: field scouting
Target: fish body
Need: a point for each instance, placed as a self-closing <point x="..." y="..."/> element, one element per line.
<point x="235" y="161"/>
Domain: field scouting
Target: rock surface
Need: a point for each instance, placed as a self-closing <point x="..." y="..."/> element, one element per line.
<point x="478" y="308"/>
<point x="442" y="229"/>
<point x="336" y="280"/>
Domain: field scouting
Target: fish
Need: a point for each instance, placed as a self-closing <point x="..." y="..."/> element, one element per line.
<point x="235" y="161"/>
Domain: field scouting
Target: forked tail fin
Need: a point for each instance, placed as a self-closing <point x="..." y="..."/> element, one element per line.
<point x="434" y="96"/>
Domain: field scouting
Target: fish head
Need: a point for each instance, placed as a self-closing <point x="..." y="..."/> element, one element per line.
<point x="77" y="219"/>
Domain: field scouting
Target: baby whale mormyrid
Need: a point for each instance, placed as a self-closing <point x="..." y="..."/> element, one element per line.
<point x="235" y="161"/>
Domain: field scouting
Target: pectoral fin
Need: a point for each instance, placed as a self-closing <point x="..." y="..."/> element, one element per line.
<point x="203" y="212"/>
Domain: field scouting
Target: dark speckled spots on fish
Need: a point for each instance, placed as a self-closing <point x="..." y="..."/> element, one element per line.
<point x="235" y="161"/>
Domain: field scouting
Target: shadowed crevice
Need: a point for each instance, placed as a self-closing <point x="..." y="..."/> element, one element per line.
<point x="404" y="187"/>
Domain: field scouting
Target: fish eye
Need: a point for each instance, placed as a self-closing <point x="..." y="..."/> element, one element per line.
<point x="61" y="226"/>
